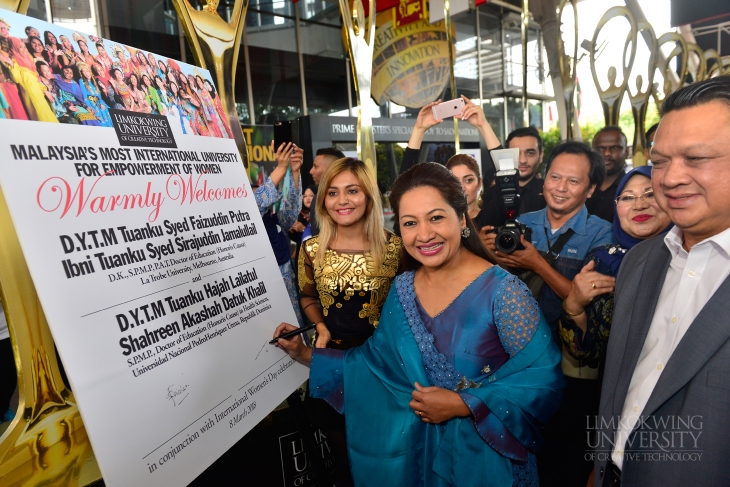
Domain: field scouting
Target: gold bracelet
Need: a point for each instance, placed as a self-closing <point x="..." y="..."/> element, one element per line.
<point x="572" y="314"/>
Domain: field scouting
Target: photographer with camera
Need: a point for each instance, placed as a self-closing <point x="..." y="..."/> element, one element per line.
<point x="562" y="236"/>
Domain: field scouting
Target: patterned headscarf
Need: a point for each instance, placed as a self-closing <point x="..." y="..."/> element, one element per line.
<point x="624" y="239"/>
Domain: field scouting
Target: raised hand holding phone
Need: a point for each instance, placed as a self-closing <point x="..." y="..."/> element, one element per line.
<point x="448" y="109"/>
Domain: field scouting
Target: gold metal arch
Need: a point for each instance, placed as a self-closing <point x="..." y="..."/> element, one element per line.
<point x="359" y="34"/>
<point x="568" y="65"/>
<point x="215" y="44"/>
<point x="611" y="97"/>
<point x="640" y="99"/>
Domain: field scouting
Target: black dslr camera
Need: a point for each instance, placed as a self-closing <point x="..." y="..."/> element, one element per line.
<point x="508" y="235"/>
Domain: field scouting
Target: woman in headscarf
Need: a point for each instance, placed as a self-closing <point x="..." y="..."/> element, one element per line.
<point x="585" y="323"/>
<point x="71" y="96"/>
<point x="18" y="62"/>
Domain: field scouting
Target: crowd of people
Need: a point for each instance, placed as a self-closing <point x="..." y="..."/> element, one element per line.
<point x="446" y="369"/>
<point x="54" y="78"/>
<point x="439" y="360"/>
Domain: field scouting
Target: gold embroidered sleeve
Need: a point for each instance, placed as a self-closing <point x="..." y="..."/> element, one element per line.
<point x="381" y="279"/>
<point x="308" y="295"/>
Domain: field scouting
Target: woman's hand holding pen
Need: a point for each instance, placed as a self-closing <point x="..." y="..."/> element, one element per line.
<point x="294" y="346"/>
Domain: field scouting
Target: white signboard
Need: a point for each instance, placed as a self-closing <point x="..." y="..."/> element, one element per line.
<point x="156" y="276"/>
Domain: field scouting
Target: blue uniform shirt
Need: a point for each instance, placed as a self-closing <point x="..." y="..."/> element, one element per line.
<point x="591" y="233"/>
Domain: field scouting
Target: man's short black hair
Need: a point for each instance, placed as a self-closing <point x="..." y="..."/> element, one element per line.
<point x="530" y="131"/>
<point x="694" y="94"/>
<point x="330" y="151"/>
<point x="651" y="130"/>
<point x="597" y="171"/>
<point x="612" y="128"/>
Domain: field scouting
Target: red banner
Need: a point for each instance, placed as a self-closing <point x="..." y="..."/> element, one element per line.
<point x="409" y="11"/>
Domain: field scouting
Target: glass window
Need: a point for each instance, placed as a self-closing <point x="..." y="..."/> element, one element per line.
<point x="325" y="75"/>
<point x="491" y="52"/>
<point x="37" y="10"/>
<point x="323" y="11"/>
<point x="149" y="27"/>
<point x="514" y="113"/>
<point x="513" y="56"/>
<point x="494" y="112"/>
<point x="272" y="46"/>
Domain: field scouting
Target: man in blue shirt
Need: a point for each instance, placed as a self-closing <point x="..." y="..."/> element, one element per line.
<point x="573" y="173"/>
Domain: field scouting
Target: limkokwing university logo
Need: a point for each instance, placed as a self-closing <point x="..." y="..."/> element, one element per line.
<point x="142" y="129"/>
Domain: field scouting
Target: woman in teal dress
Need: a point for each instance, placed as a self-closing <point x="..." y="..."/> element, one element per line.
<point x="453" y="386"/>
<point x="92" y="95"/>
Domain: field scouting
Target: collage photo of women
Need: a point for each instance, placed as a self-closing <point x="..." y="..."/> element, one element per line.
<point x="58" y="75"/>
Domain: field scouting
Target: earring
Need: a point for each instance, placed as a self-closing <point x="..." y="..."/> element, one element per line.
<point x="465" y="232"/>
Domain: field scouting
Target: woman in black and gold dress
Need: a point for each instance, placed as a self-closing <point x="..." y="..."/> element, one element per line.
<point x="345" y="274"/>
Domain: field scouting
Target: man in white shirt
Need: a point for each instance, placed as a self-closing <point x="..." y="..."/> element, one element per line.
<point x="664" y="417"/>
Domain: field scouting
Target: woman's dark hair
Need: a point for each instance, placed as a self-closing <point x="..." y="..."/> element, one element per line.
<point x="38" y="65"/>
<point x="29" y="44"/>
<point x="597" y="169"/>
<point x="434" y="175"/>
<point x="46" y="38"/>
<point x="211" y="90"/>
<point x="464" y="160"/>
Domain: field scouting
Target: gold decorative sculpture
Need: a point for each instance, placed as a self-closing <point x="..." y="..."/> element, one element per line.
<point x="713" y="63"/>
<point x="215" y="44"/>
<point x="611" y="97"/>
<point x="640" y="99"/>
<point x="400" y="74"/>
<point x="46" y="442"/>
<point x="568" y="65"/>
<point x="699" y="71"/>
<point x="360" y="36"/>
<point x="681" y="53"/>
<point x="20" y="6"/>
<point x="452" y="78"/>
<point x="663" y="77"/>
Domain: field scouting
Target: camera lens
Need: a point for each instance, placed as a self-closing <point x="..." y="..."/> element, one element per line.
<point x="506" y="242"/>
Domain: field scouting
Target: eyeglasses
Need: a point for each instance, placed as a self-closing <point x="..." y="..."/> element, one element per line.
<point x="630" y="199"/>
